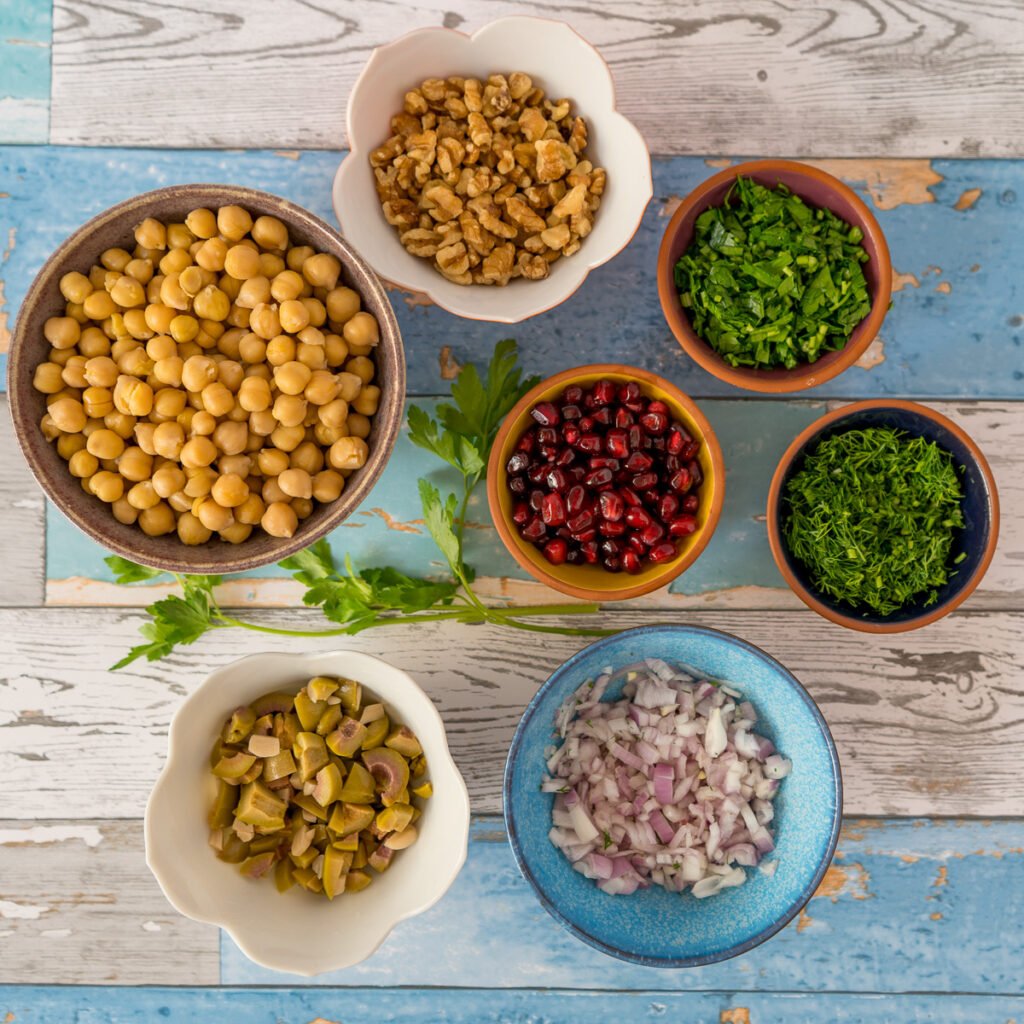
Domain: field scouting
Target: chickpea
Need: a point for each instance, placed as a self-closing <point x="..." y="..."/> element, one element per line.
<point x="334" y="413"/>
<point x="202" y="223"/>
<point x="303" y="507"/>
<point x="203" y="424"/>
<point x="120" y="423"/>
<point x="217" y="399"/>
<point x="297" y="257"/>
<point x="135" y="464"/>
<point x="252" y="349"/>
<point x="159" y="317"/>
<point x="358" y="425"/>
<point x="348" y="453"/>
<point x="75" y="287"/>
<point x="328" y="485"/>
<point x="291" y="378"/>
<point x="254" y="394"/>
<point x="367" y="400"/>
<point x="141" y="270"/>
<point x="157" y="521"/>
<point x="161" y="346"/>
<point x="280" y="520"/>
<point x="48" y="378"/>
<point x="254" y="291"/>
<point x="289" y="410"/>
<point x="349" y="385"/>
<point x="172" y="294"/>
<point x="168" y="480"/>
<point x="271" y="265"/>
<point x="168" y="440"/>
<point x="115" y="259"/>
<point x="67" y="415"/>
<point x="335" y="349"/>
<point x="144" y="433"/>
<point x="250" y="512"/>
<point x="322" y="270"/>
<point x="236" y="533"/>
<point x="316" y="309"/>
<point x="307" y="456"/>
<point x="64" y="332"/>
<point x="212" y="303"/>
<point x="286" y="286"/>
<point x="240" y="464"/>
<point x="342" y="304"/>
<point x="212" y="254"/>
<point x="313" y="356"/>
<point x="281" y="350"/>
<point x="233" y="222"/>
<point x="198" y="372"/>
<point x="106" y="486"/>
<point x="70" y="444"/>
<point x="83" y="464"/>
<point x="134" y="324"/>
<point x="167" y="404"/>
<point x="191" y="531"/>
<point x="123" y="512"/>
<point x="180" y="502"/>
<point x="293" y="316"/>
<point x="231" y="374"/>
<point x="134" y="362"/>
<point x="362" y="329"/>
<point x="184" y="328"/>
<point x="270" y="233"/>
<point x="49" y="429"/>
<point x="296" y="483"/>
<point x="231" y="437"/>
<point x="168" y="371"/>
<point x="288" y="438"/>
<point x="151" y="234"/>
<point x="128" y="292"/>
<point x="97" y="275"/>
<point x="93" y="343"/>
<point x="242" y="262"/>
<point x="199" y="451"/>
<point x="97" y="402"/>
<point x="212" y="515"/>
<point x="200" y="480"/>
<point x="262" y="423"/>
<point x="264" y="321"/>
<point x="105" y="444"/>
<point x="230" y="490"/>
<point x="133" y="396"/>
<point x="142" y="495"/>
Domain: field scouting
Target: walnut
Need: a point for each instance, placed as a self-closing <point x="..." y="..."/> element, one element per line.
<point x="520" y="212"/>
<point x="533" y="268"/>
<point x="519" y="84"/>
<point x="533" y="124"/>
<point x="556" y="237"/>
<point x="422" y="147"/>
<point x="571" y="203"/>
<point x="415" y="104"/>
<point x="420" y="242"/>
<point x="479" y="238"/>
<point x="445" y="204"/>
<point x="497" y="265"/>
<point x="554" y="159"/>
<point x="479" y="131"/>
<point x="433" y="89"/>
<point x="453" y="259"/>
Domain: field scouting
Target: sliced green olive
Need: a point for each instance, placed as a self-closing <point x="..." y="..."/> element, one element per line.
<point x="359" y="787"/>
<point x="284" y="877"/>
<point x="329" y="719"/>
<point x="404" y="741"/>
<point x="310" y="754"/>
<point x="328" y="785"/>
<point x="336" y="866"/>
<point x="349" y="819"/>
<point x="394" y="818"/>
<point x="235" y="766"/>
<point x="321" y="687"/>
<point x="424" y="790"/>
<point x="351" y="694"/>
<point x="309" y="711"/>
<point x="258" y="866"/>
<point x="261" y="807"/>
<point x="222" y="812"/>
<point x="346" y="740"/>
<point x="272" y="703"/>
<point x="357" y="880"/>
<point x="239" y="725"/>
<point x="279" y="766"/>
<point x="307" y="803"/>
<point x="376" y="732"/>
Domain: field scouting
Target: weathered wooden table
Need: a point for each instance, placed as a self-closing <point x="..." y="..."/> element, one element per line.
<point x="920" y="916"/>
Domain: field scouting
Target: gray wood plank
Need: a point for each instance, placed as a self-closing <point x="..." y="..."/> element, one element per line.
<point x="22" y="512"/>
<point x="79" y="906"/>
<point x="842" y="78"/>
<point x="928" y="723"/>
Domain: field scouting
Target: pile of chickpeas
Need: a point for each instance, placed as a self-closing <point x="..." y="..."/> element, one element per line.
<point x="215" y="379"/>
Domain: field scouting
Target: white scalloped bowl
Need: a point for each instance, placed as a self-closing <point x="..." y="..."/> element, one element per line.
<point x="563" y="63"/>
<point x="295" y="931"/>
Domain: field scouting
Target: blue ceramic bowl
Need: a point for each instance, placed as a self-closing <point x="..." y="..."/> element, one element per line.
<point x="654" y="927"/>
<point x="980" y="506"/>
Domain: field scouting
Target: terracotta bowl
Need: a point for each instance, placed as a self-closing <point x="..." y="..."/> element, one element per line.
<point x="591" y="582"/>
<point x="980" y="505"/>
<point x="817" y="188"/>
<point x="29" y="347"/>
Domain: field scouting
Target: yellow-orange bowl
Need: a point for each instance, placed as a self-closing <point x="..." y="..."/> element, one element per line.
<point x="592" y="582"/>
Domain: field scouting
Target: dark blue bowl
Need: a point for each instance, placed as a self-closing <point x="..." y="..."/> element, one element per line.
<point x="980" y="506"/>
<point x="654" y="927"/>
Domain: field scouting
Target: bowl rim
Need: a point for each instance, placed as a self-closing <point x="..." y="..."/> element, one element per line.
<point x="673" y="569"/>
<point x="776" y="380"/>
<point x="737" y="948"/>
<point x="778" y="548"/>
<point x="194" y="704"/>
<point x="645" y="180"/>
<point x="192" y="559"/>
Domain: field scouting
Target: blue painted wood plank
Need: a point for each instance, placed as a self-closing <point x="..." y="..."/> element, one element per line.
<point x="908" y="906"/>
<point x="38" y="1005"/>
<point x="25" y="37"/>
<point x="387" y="528"/>
<point x="958" y="333"/>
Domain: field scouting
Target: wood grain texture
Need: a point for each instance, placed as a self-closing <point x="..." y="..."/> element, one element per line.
<point x="25" y="28"/>
<point x="839" y="79"/>
<point x="927" y="723"/>
<point x="79" y="906"/>
<point x="23" y="538"/>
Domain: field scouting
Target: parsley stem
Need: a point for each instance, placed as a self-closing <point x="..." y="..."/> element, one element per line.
<point x="534" y="627"/>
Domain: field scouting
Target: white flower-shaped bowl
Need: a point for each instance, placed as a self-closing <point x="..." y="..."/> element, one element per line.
<point x="296" y="931"/>
<point x="561" y="62"/>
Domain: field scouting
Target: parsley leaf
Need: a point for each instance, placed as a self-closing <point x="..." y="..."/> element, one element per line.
<point x="130" y="572"/>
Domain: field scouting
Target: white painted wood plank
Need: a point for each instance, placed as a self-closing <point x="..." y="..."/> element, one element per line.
<point x="79" y="906"/>
<point x="842" y="78"/>
<point x="928" y="723"/>
<point x="23" y="533"/>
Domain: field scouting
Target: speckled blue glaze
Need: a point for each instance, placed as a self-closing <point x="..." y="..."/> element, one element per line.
<point x="977" y="506"/>
<point x="654" y="927"/>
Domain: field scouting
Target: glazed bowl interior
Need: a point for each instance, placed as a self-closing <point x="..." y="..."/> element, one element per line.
<point x="655" y="927"/>
<point x="818" y="189"/>
<point x="976" y="542"/>
<point x="592" y="582"/>
<point x="29" y="347"/>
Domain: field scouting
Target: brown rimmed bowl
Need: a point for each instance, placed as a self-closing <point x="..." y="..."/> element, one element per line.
<point x="114" y="227"/>
<point x="980" y="505"/>
<point x="592" y="582"/>
<point x="818" y="189"/>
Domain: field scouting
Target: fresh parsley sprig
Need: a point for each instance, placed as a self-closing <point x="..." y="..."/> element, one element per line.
<point x="461" y="434"/>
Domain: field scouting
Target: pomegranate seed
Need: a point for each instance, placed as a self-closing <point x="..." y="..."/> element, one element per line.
<point x="629" y="392"/>
<point x="577" y="473"/>
<point x="650" y="535"/>
<point x="552" y="510"/>
<point x="545" y="414"/>
<point x="631" y="562"/>
<point x="611" y="528"/>
<point x="520" y="513"/>
<point x="636" y="542"/>
<point x="645" y="481"/>
<point x="654" y="422"/>
<point x="527" y="441"/>
<point x="629" y="496"/>
<point x="537" y="472"/>
<point x="585" y="535"/>
<point x="549" y="453"/>
<point x="535" y="529"/>
<point x="603" y="462"/>
<point x="668" y="507"/>
<point x="586" y="425"/>
<point x="557" y="480"/>
<point x="517" y="485"/>
<point x="696" y="474"/>
<point x="603" y="392"/>
<point x="536" y="497"/>
<point x="662" y="552"/>
<point x="575" y="499"/>
<point x="677" y="438"/>
<point x="634" y="437"/>
<point x="612" y="564"/>
<point x="616" y="443"/>
<point x="580" y="523"/>
<point x="565" y="457"/>
<point x="638" y="518"/>
<point x="623" y="417"/>
<point x="610" y="548"/>
<point x="683" y="526"/>
<point x="570" y="433"/>
<point x="602" y="416"/>
<point x="680" y="480"/>
<point x="589" y="443"/>
<point x="556" y="551"/>
<point x="571" y="412"/>
<point x="574" y="557"/>
<point x="547" y="436"/>
<point x="589" y="551"/>
<point x="657" y="443"/>
<point x="598" y="478"/>
<point x="519" y="463"/>
<point x="611" y="505"/>
<point x="690" y="503"/>
<point x="638" y="462"/>
<point x="690" y="450"/>
<point x="656" y="405"/>
<point x="573" y="394"/>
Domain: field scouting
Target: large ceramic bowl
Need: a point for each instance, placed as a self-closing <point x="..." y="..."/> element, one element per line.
<point x="295" y="931"/>
<point x="980" y="506"/>
<point x="817" y="188"/>
<point x="563" y="63"/>
<point x="592" y="582"/>
<point x="654" y="927"/>
<point x="114" y="227"/>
